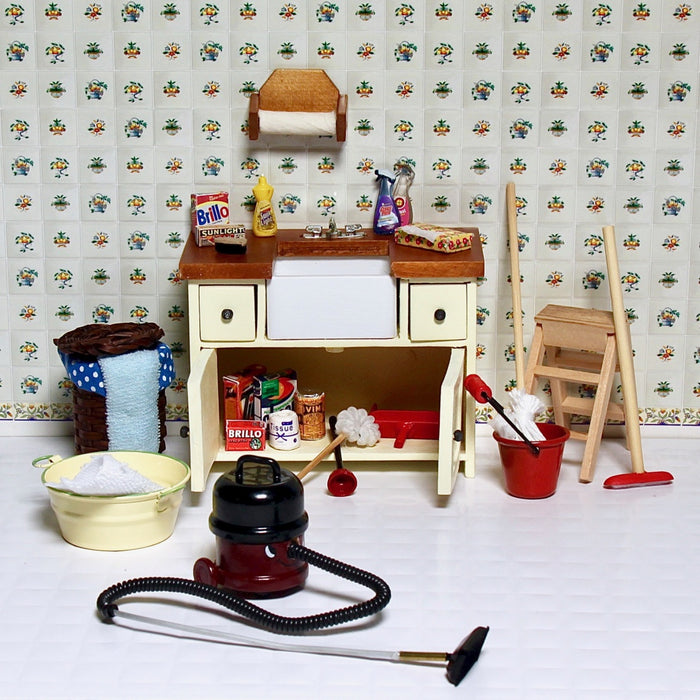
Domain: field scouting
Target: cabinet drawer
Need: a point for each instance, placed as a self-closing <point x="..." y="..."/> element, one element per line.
<point x="227" y="313"/>
<point x="438" y="311"/>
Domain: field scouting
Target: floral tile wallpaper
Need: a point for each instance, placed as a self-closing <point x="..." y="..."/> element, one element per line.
<point x="113" y="112"/>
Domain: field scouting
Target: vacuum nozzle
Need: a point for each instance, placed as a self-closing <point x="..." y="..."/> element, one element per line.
<point x="459" y="661"/>
<point x="465" y="655"/>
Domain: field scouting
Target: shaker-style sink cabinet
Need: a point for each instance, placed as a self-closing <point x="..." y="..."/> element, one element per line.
<point x="418" y="347"/>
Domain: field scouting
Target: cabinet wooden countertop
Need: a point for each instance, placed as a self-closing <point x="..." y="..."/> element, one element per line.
<point x="205" y="263"/>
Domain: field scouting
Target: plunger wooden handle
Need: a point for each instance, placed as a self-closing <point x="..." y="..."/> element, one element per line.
<point x="513" y="245"/>
<point x="624" y="352"/>
<point x="321" y="455"/>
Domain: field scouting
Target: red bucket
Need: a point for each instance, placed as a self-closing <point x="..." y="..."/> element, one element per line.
<point x="530" y="476"/>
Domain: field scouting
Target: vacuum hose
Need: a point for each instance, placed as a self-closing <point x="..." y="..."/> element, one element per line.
<point x="107" y="607"/>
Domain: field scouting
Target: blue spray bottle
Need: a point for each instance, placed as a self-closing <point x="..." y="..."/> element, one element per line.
<point x="386" y="215"/>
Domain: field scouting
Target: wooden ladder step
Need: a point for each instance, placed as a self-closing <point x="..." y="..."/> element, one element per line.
<point x="577" y="359"/>
<point x="584" y="407"/>
<point x="567" y="375"/>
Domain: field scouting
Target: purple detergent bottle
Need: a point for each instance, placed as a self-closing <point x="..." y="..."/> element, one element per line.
<point x="386" y="216"/>
<point x="404" y="179"/>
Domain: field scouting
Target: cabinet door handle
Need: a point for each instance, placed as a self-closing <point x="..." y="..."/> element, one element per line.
<point x="458" y="436"/>
<point x="440" y="315"/>
<point x="227" y="314"/>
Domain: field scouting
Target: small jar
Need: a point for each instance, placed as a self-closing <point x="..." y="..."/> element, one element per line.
<point x="310" y="408"/>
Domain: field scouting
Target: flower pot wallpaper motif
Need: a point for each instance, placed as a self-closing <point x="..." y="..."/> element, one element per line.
<point x="116" y="114"/>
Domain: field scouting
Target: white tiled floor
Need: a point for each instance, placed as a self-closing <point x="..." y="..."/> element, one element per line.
<point x="591" y="593"/>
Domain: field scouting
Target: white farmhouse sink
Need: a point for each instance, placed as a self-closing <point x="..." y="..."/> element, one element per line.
<point x="331" y="297"/>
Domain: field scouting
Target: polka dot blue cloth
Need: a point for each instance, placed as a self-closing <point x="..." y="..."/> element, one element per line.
<point x="88" y="375"/>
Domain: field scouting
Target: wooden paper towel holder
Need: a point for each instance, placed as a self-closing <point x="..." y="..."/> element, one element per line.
<point x="298" y="90"/>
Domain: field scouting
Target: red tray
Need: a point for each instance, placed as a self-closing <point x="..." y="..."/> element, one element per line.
<point x="401" y="425"/>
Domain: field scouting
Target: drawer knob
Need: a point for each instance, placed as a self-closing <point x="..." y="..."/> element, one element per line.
<point x="440" y="315"/>
<point x="227" y="314"/>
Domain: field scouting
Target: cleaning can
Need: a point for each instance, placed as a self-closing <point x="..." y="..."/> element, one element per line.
<point x="264" y="221"/>
<point x="310" y="407"/>
<point x="386" y="216"/>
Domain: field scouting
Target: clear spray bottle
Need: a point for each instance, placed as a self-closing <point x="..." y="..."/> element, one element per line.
<point x="404" y="179"/>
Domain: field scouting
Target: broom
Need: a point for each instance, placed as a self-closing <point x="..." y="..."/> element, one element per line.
<point x="638" y="476"/>
<point x="513" y="245"/>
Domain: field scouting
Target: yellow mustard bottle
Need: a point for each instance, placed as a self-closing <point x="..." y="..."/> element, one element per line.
<point x="264" y="222"/>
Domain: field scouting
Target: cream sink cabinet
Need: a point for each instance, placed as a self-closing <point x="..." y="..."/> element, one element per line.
<point x="427" y="343"/>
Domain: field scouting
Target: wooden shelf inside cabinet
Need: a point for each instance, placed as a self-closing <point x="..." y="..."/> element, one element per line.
<point x="383" y="451"/>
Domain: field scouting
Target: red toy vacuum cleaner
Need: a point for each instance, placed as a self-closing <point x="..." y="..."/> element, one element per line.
<point x="258" y="512"/>
<point x="259" y="521"/>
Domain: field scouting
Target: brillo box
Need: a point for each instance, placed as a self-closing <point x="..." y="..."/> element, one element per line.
<point x="208" y="210"/>
<point x="244" y="435"/>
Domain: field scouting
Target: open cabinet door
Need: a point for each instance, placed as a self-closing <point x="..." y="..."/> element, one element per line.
<point x="451" y="419"/>
<point x="205" y="426"/>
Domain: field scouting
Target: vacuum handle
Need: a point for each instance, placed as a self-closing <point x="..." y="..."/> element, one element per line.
<point x="258" y="459"/>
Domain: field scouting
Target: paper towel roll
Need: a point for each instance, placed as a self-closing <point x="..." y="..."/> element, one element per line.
<point x="297" y="123"/>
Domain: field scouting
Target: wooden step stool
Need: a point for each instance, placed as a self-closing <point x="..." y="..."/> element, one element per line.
<point x="572" y="345"/>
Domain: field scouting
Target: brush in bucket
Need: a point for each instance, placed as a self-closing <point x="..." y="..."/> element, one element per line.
<point x="531" y="468"/>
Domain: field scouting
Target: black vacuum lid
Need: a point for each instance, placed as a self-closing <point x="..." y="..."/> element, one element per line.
<point x="258" y="502"/>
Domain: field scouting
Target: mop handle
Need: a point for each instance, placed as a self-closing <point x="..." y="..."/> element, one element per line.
<point x="514" y="246"/>
<point x="321" y="455"/>
<point x="625" y="353"/>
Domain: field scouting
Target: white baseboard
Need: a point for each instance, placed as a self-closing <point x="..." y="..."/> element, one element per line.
<point x="51" y="428"/>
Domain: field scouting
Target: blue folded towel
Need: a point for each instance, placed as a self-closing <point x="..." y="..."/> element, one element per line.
<point x="131" y="400"/>
<point x="87" y="374"/>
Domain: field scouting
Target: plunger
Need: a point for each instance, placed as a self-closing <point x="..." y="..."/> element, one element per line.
<point x="481" y="391"/>
<point x="341" y="481"/>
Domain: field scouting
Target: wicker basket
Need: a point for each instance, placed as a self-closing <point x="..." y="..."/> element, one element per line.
<point x="89" y="409"/>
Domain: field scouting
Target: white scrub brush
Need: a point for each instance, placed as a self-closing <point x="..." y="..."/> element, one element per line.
<point x="358" y="427"/>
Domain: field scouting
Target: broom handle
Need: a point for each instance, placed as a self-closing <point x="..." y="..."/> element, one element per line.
<point x="513" y="245"/>
<point x="624" y="352"/>
<point x="323" y="453"/>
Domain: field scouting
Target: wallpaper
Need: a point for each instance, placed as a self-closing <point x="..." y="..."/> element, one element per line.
<point x="113" y="113"/>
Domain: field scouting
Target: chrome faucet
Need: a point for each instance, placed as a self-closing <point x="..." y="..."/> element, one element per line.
<point x="348" y="231"/>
